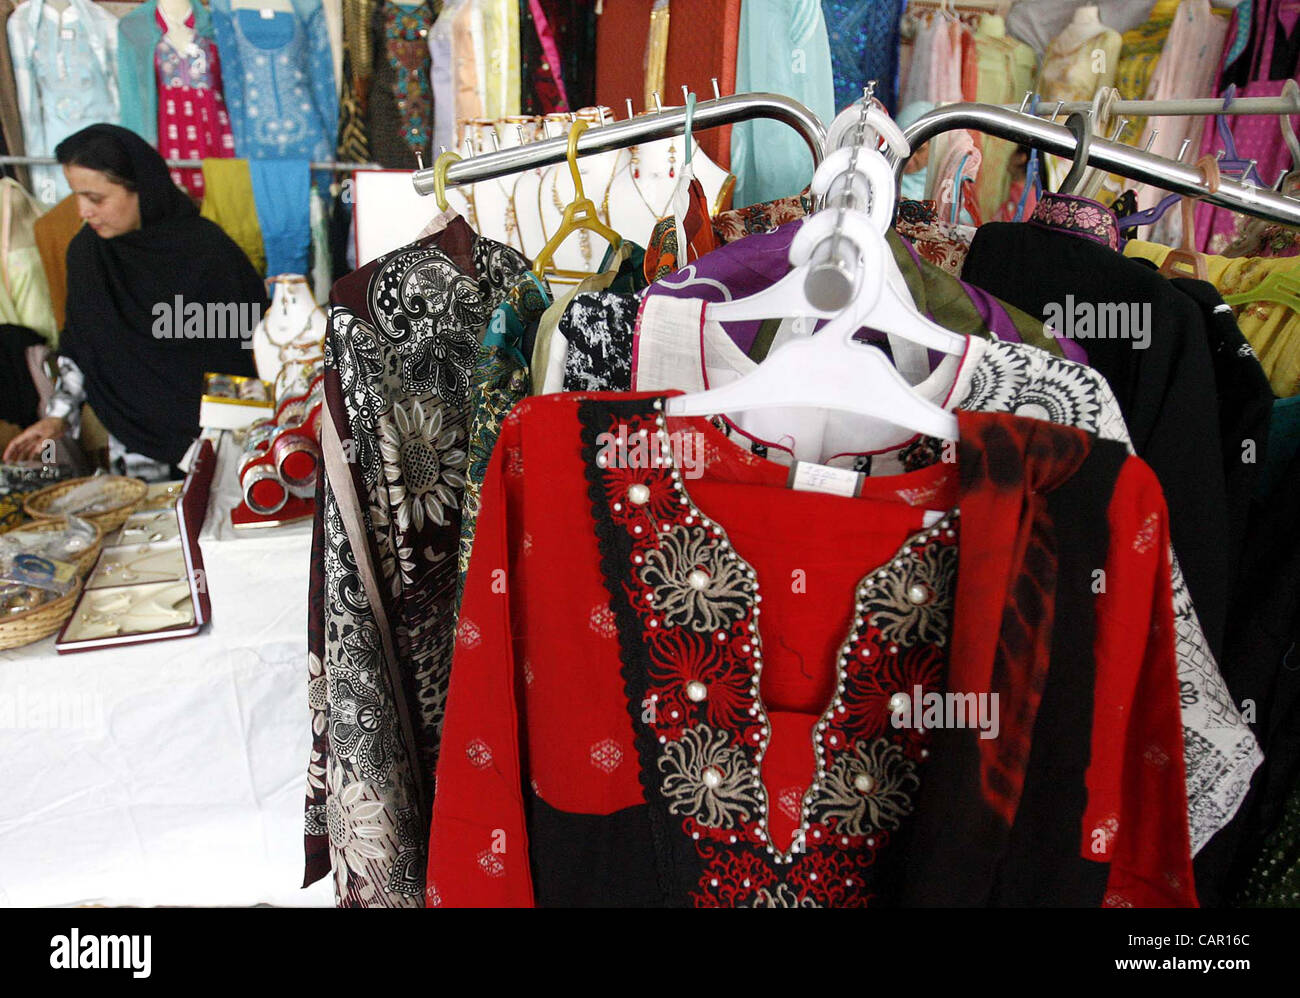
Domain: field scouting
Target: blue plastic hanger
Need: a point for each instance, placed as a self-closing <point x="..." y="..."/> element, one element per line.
<point x="1150" y="215"/>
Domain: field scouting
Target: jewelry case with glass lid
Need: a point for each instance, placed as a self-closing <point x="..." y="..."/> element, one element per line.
<point x="149" y="583"/>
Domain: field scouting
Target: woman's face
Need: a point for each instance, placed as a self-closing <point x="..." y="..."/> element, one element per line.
<point x="107" y="207"/>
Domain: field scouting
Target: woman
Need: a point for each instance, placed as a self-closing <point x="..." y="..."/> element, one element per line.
<point x="157" y="296"/>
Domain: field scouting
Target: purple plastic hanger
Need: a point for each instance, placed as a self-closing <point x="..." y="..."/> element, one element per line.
<point x="1150" y="216"/>
<point x="1229" y="162"/>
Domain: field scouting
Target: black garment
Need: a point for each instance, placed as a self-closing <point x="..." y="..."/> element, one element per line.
<point x="1162" y="390"/>
<point x="144" y="369"/>
<point x="19" y="400"/>
<point x="573" y="28"/>
<point x="1261" y="665"/>
<point x="1245" y="403"/>
<point x="392" y="108"/>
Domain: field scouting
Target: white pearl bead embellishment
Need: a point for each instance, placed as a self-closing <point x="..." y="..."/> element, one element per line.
<point x="918" y="594"/>
<point x="863" y="783"/>
<point x="712" y="777"/>
<point x="696" y="691"/>
<point x="698" y="579"/>
<point x="639" y="494"/>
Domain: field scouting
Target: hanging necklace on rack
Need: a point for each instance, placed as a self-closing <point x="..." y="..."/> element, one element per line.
<point x="656" y="215"/>
<point x="604" y="201"/>
<point x="672" y="158"/>
<point x="584" y="237"/>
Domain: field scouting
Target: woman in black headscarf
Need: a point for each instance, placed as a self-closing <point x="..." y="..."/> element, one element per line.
<point x="157" y="296"/>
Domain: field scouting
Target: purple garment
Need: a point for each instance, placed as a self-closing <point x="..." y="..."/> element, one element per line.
<point x="758" y="261"/>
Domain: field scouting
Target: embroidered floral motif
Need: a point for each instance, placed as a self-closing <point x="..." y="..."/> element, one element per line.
<point x="1078" y="216"/>
<point x="602" y="621"/>
<point x="1146" y="535"/>
<point x="911" y="603"/>
<point x="606" y="755"/>
<point x="783" y="897"/>
<point x="708" y="779"/>
<point x="692" y="584"/>
<point x="703" y="730"/>
<point x="867" y="790"/>
<point x="422" y="464"/>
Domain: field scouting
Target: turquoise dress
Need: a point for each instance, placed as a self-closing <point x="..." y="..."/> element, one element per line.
<point x="783" y="48"/>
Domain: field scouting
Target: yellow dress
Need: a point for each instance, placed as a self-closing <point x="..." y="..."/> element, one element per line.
<point x="228" y="201"/>
<point x="1272" y="329"/>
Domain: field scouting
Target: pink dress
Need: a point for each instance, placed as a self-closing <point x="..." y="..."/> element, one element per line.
<point x="192" y="118"/>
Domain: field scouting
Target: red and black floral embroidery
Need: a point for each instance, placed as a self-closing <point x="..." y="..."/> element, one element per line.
<point x="688" y="609"/>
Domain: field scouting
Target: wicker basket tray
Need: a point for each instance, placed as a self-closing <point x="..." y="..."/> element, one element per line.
<point x="127" y="493"/>
<point x="86" y="560"/>
<point x="38" y="622"/>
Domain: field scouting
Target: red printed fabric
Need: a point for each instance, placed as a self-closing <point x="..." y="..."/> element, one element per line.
<point x="663" y="256"/>
<point x="192" y="118"/>
<point x="663" y="697"/>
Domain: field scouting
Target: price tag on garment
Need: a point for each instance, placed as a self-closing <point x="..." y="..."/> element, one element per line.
<point x="267" y="14"/>
<point x="808" y="477"/>
<point x="67" y="34"/>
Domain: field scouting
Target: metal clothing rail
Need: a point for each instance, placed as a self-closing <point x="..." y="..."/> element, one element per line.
<point x="189" y="164"/>
<point x="1113" y="157"/>
<point x="643" y="128"/>
<point x="1191" y="107"/>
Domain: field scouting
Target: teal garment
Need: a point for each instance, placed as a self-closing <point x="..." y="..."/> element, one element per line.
<point x="1283" y="445"/>
<point x="137" y="82"/>
<point x="783" y="48"/>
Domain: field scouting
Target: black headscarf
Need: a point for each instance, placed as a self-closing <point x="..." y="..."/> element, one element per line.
<point x="146" y="388"/>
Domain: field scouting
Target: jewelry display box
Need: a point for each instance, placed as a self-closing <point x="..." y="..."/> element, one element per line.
<point x="231" y="401"/>
<point x="148" y="583"/>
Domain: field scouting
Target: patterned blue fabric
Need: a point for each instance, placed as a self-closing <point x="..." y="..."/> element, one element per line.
<point x="64" y="71"/>
<point x="281" y="194"/>
<point x="1243" y="18"/>
<point x="278" y="73"/>
<point x="864" y="46"/>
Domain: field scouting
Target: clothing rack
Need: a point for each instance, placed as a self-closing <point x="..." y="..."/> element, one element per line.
<point x="1113" y="157"/>
<point x="648" y="127"/>
<point x="1192" y="107"/>
<point x="190" y="164"/>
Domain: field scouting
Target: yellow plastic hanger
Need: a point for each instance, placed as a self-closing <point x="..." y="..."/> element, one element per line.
<point x="580" y="214"/>
<point x="440" y="166"/>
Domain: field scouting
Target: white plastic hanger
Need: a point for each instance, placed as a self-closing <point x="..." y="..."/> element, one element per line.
<point x="787" y="296"/>
<point x="831" y="370"/>
<point x="877" y="124"/>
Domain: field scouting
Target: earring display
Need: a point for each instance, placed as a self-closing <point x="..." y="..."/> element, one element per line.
<point x="148" y="528"/>
<point x="138" y="564"/>
<point x="161" y="495"/>
<point x="127" y="610"/>
<point x="149" y="583"/>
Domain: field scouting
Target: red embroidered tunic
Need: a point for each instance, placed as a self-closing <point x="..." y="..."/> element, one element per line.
<point x="192" y="118"/>
<point x="686" y="684"/>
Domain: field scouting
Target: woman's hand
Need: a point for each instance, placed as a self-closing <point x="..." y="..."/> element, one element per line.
<point x="27" y="446"/>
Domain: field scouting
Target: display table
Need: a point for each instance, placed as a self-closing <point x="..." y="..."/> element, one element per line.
<point x="170" y="773"/>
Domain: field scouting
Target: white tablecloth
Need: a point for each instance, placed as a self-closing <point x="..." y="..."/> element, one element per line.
<point x="173" y="772"/>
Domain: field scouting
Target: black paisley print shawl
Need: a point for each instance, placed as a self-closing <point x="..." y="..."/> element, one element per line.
<point x="403" y="342"/>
